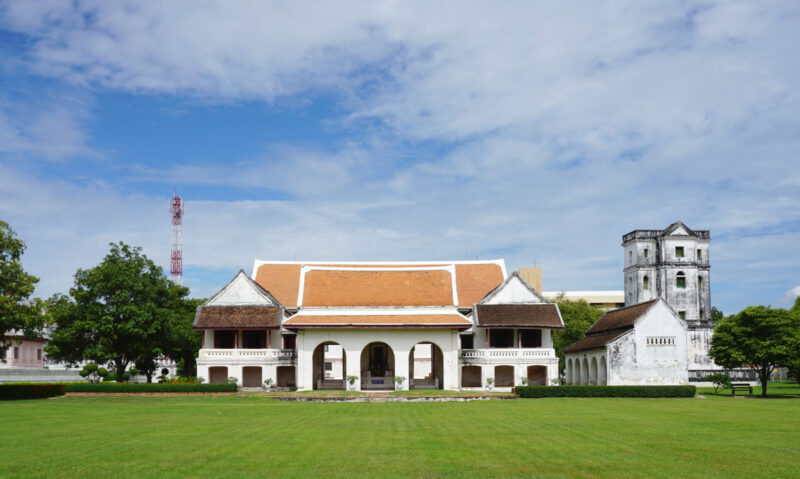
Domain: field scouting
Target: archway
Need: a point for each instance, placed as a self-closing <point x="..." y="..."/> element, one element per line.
<point x="218" y="374"/>
<point x="569" y="372"/>
<point x="584" y="372"/>
<point x="537" y="375"/>
<point x="329" y="366"/>
<point x="593" y="371"/>
<point x="426" y="366"/>
<point x="504" y="376"/>
<point x="470" y="376"/>
<point x="602" y="378"/>
<point x="286" y="377"/>
<point x="251" y="376"/>
<point x="377" y="366"/>
<point x="576" y="371"/>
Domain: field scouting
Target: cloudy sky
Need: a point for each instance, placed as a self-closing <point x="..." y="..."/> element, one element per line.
<point x="532" y="131"/>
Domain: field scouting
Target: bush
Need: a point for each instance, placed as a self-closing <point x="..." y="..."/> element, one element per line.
<point x="30" y="390"/>
<point x="606" y="391"/>
<point x="149" y="388"/>
<point x="722" y="381"/>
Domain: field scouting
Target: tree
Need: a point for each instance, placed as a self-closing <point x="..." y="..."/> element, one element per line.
<point x="183" y="341"/>
<point x="16" y="286"/>
<point x="716" y="314"/>
<point x="119" y="311"/>
<point x="578" y="315"/>
<point x="758" y="337"/>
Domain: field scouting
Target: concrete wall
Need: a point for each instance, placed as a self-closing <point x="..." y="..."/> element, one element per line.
<point x="29" y="375"/>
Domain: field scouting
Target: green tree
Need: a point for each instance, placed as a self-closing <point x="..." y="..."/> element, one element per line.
<point x="578" y="315"/>
<point x="183" y="341"/>
<point x="119" y="311"/>
<point x="716" y="314"/>
<point x="17" y="312"/>
<point x="758" y="337"/>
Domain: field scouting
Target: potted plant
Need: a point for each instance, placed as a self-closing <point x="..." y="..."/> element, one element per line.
<point x="399" y="380"/>
<point x="268" y="383"/>
<point x="489" y="383"/>
<point x="524" y="381"/>
<point x="352" y="380"/>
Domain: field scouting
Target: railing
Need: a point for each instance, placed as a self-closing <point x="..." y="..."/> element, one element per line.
<point x="275" y="354"/>
<point x="651" y="234"/>
<point x="510" y="353"/>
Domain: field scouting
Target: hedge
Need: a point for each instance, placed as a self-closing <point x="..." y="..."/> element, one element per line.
<point x="30" y="390"/>
<point x="606" y="391"/>
<point x="149" y="388"/>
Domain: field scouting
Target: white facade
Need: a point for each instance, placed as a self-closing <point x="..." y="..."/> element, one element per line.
<point x="652" y="352"/>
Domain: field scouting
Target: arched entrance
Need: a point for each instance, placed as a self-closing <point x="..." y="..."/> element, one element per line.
<point x="576" y="372"/>
<point x="470" y="376"/>
<point x="329" y="366"/>
<point x="504" y="376"/>
<point x="377" y="366"/>
<point x="251" y="376"/>
<point x="602" y="378"/>
<point x="426" y="366"/>
<point x="537" y="375"/>
<point x="593" y="372"/>
<point x="584" y="372"/>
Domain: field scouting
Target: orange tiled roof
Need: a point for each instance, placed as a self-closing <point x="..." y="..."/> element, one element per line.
<point x="422" y="287"/>
<point x="452" y="320"/>
<point x="473" y="280"/>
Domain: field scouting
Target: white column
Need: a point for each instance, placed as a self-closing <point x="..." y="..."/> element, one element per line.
<point x="354" y="367"/>
<point x="401" y="358"/>
<point x="450" y="369"/>
<point x="202" y="372"/>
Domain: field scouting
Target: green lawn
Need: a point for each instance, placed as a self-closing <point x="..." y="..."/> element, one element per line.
<point x="241" y="436"/>
<point x="784" y="389"/>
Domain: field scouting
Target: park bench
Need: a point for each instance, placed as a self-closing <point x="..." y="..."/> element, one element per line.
<point x="741" y="387"/>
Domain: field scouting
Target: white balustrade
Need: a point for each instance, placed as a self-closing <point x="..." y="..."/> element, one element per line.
<point x="248" y="354"/>
<point x="507" y="353"/>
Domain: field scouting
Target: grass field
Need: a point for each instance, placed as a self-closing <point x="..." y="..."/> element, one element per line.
<point x="241" y="436"/>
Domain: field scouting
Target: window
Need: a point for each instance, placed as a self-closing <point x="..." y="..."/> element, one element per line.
<point x="646" y="282"/>
<point x="680" y="280"/>
<point x="289" y="341"/>
<point x="646" y="253"/>
<point x="38" y="354"/>
<point x="501" y="338"/>
<point x="328" y="366"/>
<point x="679" y="251"/>
<point x="16" y="352"/>
<point x="699" y="254"/>
<point x="700" y="283"/>
<point x="682" y="314"/>
<point x="325" y="347"/>
<point x="661" y="340"/>
<point x="224" y="339"/>
<point x="467" y="341"/>
<point x="254" y="339"/>
<point x="530" y="338"/>
<point x="630" y="257"/>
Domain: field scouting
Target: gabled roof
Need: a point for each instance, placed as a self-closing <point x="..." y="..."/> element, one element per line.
<point x="610" y="326"/>
<point x="241" y="303"/>
<point x="473" y="279"/>
<point x="515" y="280"/>
<point x="539" y="316"/>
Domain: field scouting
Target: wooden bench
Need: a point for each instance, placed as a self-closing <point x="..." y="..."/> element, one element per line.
<point x="741" y="387"/>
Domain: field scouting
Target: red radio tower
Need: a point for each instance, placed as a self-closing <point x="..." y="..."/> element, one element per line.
<point x="176" y="258"/>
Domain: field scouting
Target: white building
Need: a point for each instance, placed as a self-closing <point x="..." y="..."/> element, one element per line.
<point x="444" y="325"/>
<point x="644" y="344"/>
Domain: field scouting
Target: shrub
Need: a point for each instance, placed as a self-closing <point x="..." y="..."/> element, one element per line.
<point x="109" y="387"/>
<point x="31" y="390"/>
<point x="605" y="391"/>
<point x="399" y="380"/>
<point x="720" y="381"/>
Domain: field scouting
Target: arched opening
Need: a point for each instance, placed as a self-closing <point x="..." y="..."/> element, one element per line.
<point x="603" y="375"/>
<point x="329" y="365"/>
<point x="680" y="280"/>
<point x="504" y="376"/>
<point x="593" y="371"/>
<point x="576" y="371"/>
<point x="646" y="282"/>
<point x="426" y="366"/>
<point x="218" y="374"/>
<point x="377" y="366"/>
<point x="568" y="371"/>
<point x="585" y="372"/>
<point x="251" y="376"/>
<point x="537" y="375"/>
<point x="470" y="376"/>
<point x="286" y="377"/>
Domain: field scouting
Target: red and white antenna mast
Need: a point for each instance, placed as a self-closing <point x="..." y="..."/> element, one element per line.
<point x="176" y="257"/>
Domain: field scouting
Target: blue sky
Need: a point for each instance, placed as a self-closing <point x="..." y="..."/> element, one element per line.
<point x="404" y="131"/>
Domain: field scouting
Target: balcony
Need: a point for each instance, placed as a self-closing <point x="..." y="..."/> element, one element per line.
<point x="506" y="355"/>
<point x="247" y="356"/>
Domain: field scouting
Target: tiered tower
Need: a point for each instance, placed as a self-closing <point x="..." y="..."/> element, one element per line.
<point x="673" y="264"/>
<point x="176" y="207"/>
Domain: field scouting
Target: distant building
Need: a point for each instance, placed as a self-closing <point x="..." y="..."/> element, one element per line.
<point x="23" y="352"/>
<point x="643" y="344"/>
<point x="604" y="300"/>
<point x="673" y="264"/>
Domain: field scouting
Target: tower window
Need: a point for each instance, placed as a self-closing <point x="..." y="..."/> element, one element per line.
<point x="646" y="282"/>
<point x="682" y="314"/>
<point x="700" y="283"/>
<point x="679" y="251"/>
<point x="646" y="253"/>
<point x="630" y="257"/>
<point x="699" y="254"/>
<point x="680" y="280"/>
